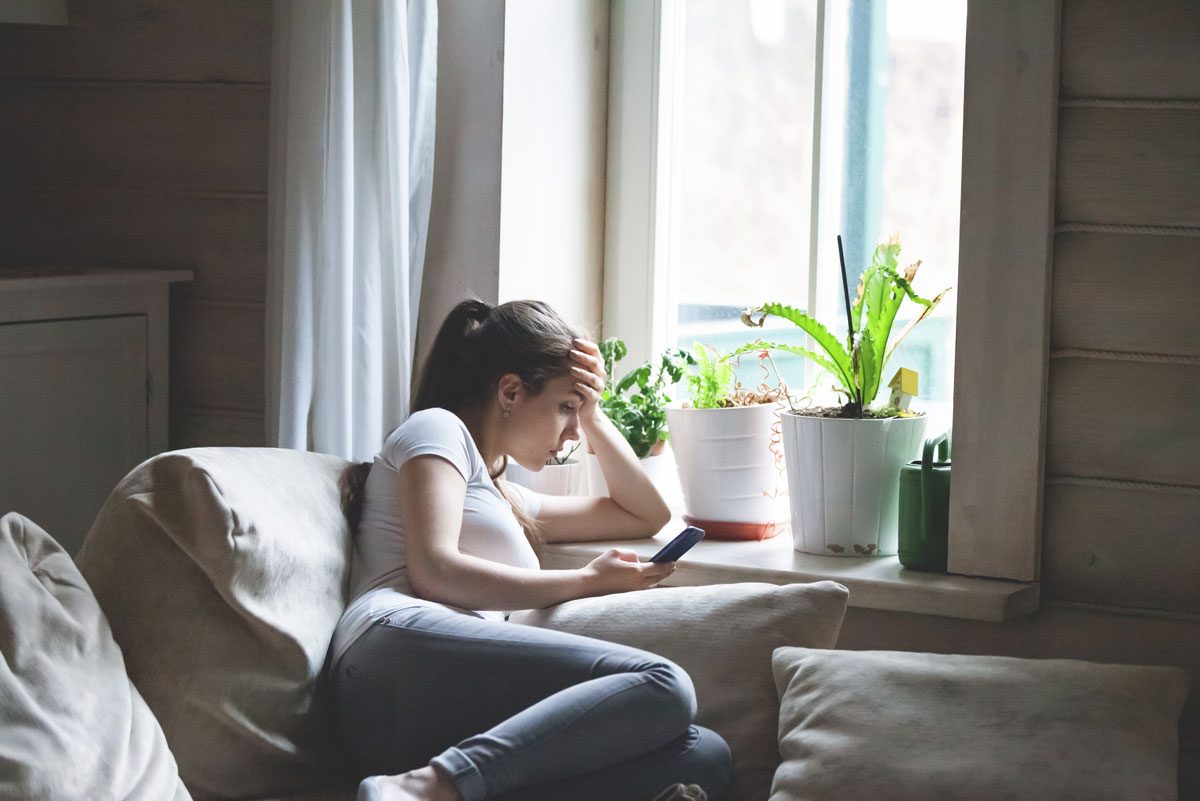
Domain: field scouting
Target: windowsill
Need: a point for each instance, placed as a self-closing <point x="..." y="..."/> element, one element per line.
<point x="874" y="582"/>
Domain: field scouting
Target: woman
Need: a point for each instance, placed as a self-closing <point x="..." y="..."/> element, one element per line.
<point x="439" y="701"/>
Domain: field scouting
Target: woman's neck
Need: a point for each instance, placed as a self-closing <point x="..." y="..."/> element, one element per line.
<point x="483" y="429"/>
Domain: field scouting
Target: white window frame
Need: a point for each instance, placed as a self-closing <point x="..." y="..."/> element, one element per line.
<point x="1005" y="249"/>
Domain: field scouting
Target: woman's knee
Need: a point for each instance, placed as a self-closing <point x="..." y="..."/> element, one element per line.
<point x="678" y="691"/>
<point x="708" y="762"/>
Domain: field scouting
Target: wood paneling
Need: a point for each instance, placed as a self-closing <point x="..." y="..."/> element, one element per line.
<point x="223" y="239"/>
<point x="196" y="427"/>
<point x="1122" y="547"/>
<point x="1009" y="114"/>
<point x="1129" y="166"/>
<point x="1118" y="48"/>
<point x="1126" y="292"/>
<point x="147" y="40"/>
<point x="217" y="355"/>
<point x="1135" y="421"/>
<point x="198" y="138"/>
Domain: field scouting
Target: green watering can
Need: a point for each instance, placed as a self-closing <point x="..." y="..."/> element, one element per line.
<point x="925" y="507"/>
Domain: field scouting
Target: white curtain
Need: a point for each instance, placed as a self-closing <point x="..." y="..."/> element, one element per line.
<point x="351" y="171"/>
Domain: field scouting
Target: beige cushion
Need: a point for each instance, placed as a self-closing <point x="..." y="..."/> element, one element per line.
<point x="223" y="572"/>
<point x="723" y="637"/>
<point x="71" y="725"/>
<point x="885" y="725"/>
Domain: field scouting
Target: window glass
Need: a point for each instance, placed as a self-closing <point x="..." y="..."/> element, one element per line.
<point x="890" y="161"/>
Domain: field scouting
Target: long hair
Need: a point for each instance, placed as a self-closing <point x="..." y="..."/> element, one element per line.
<point x="476" y="345"/>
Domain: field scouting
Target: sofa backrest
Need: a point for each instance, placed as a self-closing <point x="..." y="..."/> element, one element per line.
<point x="223" y="572"/>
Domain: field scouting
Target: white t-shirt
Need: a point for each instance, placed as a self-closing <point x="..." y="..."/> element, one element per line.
<point x="379" y="583"/>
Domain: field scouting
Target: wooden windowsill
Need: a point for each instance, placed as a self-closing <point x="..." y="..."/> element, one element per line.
<point x="874" y="582"/>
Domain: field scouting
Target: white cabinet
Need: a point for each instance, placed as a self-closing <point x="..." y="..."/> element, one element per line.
<point x="83" y="388"/>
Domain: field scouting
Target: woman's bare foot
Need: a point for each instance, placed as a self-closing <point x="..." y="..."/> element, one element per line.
<point x="425" y="784"/>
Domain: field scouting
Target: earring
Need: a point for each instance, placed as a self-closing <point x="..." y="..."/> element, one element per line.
<point x="504" y="412"/>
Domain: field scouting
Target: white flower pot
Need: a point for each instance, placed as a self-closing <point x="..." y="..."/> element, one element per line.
<point x="727" y="470"/>
<point x="844" y="481"/>
<point x="553" y="479"/>
<point x="660" y="468"/>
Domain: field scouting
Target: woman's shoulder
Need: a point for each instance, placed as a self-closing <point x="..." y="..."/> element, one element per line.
<point x="431" y="431"/>
<point x="435" y="418"/>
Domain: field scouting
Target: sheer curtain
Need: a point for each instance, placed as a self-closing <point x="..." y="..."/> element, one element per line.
<point x="351" y="172"/>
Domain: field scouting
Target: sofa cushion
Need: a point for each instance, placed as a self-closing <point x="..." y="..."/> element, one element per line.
<point x="893" y="725"/>
<point x="71" y="724"/>
<point x="723" y="636"/>
<point x="223" y="572"/>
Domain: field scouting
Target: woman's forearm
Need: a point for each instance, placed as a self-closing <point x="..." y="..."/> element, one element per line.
<point x="628" y="485"/>
<point x="474" y="583"/>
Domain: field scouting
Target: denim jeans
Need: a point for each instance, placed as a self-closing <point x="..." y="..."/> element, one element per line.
<point x="518" y="713"/>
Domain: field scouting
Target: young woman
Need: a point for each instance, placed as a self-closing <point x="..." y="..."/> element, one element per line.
<point x="438" y="697"/>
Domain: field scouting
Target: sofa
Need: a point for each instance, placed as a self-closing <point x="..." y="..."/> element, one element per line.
<point x="184" y="654"/>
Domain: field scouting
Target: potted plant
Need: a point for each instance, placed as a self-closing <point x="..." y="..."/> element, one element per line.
<point x="562" y="474"/>
<point x="726" y="449"/>
<point x="636" y="405"/>
<point x="844" y="462"/>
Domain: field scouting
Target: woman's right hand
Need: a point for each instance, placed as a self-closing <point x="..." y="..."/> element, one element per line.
<point x="618" y="570"/>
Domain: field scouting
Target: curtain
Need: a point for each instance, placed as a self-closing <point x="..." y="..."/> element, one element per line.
<point x="351" y="173"/>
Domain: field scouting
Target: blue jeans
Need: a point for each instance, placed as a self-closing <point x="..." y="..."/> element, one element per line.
<point x="519" y="713"/>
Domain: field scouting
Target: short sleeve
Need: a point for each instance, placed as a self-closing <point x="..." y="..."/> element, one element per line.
<point x="531" y="501"/>
<point x="432" y="432"/>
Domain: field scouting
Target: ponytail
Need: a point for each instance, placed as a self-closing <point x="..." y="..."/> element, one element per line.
<point x="352" y="485"/>
<point x="444" y="381"/>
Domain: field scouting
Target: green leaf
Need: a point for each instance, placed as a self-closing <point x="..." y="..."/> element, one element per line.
<point x="869" y="368"/>
<point x="838" y="357"/>
<point x="711" y="381"/>
<point x="817" y="358"/>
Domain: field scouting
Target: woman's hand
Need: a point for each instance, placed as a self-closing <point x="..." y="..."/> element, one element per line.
<point x="618" y="570"/>
<point x="588" y="371"/>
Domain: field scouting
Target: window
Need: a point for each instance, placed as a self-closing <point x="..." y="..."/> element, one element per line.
<point x="771" y="126"/>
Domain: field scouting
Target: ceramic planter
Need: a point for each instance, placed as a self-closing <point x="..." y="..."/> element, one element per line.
<point x="727" y="471"/>
<point x="844" y="481"/>
<point x="553" y="479"/>
<point x="658" y="466"/>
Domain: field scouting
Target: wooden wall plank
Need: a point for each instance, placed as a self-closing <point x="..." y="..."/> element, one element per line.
<point x="1122" y="547"/>
<point x="222" y="239"/>
<point x="1134" y="421"/>
<point x="1009" y="113"/>
<point x="1129" y="166"/>
<point x="199" y="427"/>
<point x="1126" y="292"/>
<point x="217" y="355"/>
<point x="148" y="40"/>
<point x="198" y="138"/>
<point x="1115" y="48"/>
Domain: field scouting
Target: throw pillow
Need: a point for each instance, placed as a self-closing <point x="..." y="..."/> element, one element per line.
<point x="895" y="725"/>
<point x="71" y="724"/>
<point x="723" y="636"/>
<point x="223" y="572"/>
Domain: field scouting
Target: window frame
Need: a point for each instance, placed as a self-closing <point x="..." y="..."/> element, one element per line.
<point x="1005" y="251"/>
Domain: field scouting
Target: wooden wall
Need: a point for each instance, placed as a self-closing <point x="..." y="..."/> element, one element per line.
<point x="1122" y="519"/>
<point x="137" y="136"/>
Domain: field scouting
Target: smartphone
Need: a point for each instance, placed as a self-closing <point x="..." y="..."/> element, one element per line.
<point x="677" y="547"/>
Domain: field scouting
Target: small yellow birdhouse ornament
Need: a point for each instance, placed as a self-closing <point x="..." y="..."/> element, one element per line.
<point x="904" y="387"/>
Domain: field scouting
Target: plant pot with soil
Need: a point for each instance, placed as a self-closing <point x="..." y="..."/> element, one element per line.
<point x="844" y="462"/>
<point x="726" y="444"/>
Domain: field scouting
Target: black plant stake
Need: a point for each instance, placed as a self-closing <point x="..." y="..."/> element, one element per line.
<point x="855" y="407"/>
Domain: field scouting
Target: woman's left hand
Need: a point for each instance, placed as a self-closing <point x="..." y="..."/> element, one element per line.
<point x="589" y="375"/>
